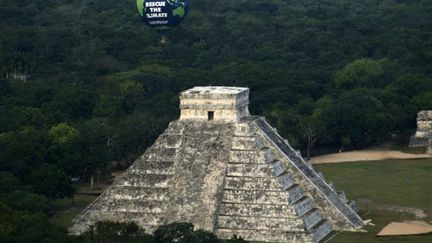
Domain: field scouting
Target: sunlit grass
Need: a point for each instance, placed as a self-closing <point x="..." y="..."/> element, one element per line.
<point x="405" y="183"/>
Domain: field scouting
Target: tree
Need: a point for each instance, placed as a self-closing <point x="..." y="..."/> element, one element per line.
<point x="236" y="239"/>
<point x="182" y="232"/>
<point x="63" y="134"/>
<point x="361" y="73"/>
<point x="358" y="118"/>
<point x="8" y="182"/>
<point x="30" y="202"/>
<point x="423" y="101"/>
<point x="311" y="129"/>
<point x="113" y="232"/>
<point x="52" y="182"/>
<point x="176" y="232"/>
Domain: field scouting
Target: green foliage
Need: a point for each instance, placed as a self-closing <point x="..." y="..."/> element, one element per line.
<point x="361" y="73"/>
<point x="107" y="232"/>
<point x="63" y="134"/>
<point x="29" y="202"/>
<point x="52" y="182"/>
<point x="8" y="182"/>
<point x="236" y="239"/>
<point x="182" y="232"/>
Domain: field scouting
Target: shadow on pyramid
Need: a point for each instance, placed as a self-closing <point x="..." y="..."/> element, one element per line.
<point x="227" y="172"/>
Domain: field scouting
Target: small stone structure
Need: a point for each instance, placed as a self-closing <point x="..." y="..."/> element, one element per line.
<point x="228" y="104"/>
<point x="227" y="172"/>
<point x="424" y="130"/>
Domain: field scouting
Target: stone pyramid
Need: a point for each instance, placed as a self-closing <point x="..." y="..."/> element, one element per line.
<point x="227" y="172"/>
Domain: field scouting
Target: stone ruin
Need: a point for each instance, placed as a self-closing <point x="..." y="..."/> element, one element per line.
<point x="227" y="172"/>
<point x="423" y="135"/>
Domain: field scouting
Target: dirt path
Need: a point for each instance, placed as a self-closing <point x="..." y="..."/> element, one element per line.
<point x="406" y="228"/>
<point x="366" y="155"/>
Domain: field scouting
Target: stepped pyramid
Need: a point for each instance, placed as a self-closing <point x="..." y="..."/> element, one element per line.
<point x="227" y="172"/>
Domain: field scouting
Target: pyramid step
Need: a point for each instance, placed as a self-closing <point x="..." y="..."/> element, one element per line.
<point x="286" y="181"/>
<point x="250" y="170"/>
<point x="295" y="193"/>
<point x="160" y="154"/>
<point x="246" y="143"/>
<point x="268" y="155"/>
<point x="163" y="171"/>
<point x="278" y="168"/>
<point x="247" y="156"/>
<point x="243" y="129"/>
<point x="259" y="223"/>
<point x="144" y="206"/>
<point x="137" y="194"/>
<point x="251" y="183"/>
<point x="311" y="218"/>
<point x="171" y="140"/>
<point x="148" y="180"/>
<point x="242" y="209"/>
<point x="139" y="217"/>
<point x="321" y="230"/>
<point x="246" y="196"/>
<point x="151" y="165"/>
<point x="303" y="206"/>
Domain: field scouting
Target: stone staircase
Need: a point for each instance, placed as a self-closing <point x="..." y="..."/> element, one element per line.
<point x="261" y="200"/>
<point x="339" y="201"/>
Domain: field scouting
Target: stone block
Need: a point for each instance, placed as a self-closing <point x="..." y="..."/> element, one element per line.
<point x="246" y="143"/>
<point x="261" y="197"/>
<point x="173" y="141"/>
<point x="322" y="231"/>
<point x="278" y="168"/>
<point x="246" y="156"/>
<point x="311" y="218"/>
<point x="251" y="183"/>
<point x="257" y="210"/>
<point x="259" y="223"/>
<point x="250" y="170"/>
<point x="303" y="206"/>
<point x="268" y="156"/>
<point x="243" y="130"/>
<point x="286" y="181"/>
<point x="294" y="194"/>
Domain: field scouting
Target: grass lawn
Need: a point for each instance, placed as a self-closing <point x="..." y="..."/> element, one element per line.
<point x="68" y="211"/>
<point x="405" y="183"/>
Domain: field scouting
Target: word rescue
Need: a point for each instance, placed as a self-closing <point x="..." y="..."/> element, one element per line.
<point x="155" y="10"/>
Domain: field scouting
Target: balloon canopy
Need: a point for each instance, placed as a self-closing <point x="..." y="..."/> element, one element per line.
<point x="162" y="14"/>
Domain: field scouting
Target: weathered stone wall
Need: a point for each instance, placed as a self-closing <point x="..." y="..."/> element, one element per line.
<point x="179" y="178"/>
<point x="228" y="178"/>
<point x="424" y="129"/>
<point x="227" y="104"/>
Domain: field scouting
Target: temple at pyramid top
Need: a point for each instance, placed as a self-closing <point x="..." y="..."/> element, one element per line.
<point x="214" y="103"/>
